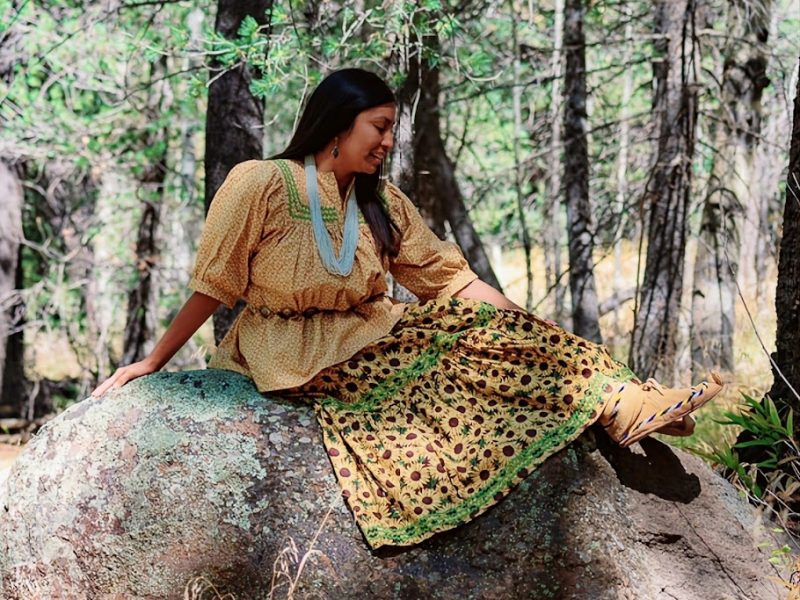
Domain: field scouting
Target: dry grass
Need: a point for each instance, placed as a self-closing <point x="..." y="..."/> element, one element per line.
<point x="289" y="564"/>
<point x="793" y="585"/>
<point x="201" y="588"/>
<point x="286" y="570"/>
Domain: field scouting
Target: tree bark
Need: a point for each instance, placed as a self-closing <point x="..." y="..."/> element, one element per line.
<point x="70" y="207"/>
<point x="401" y="170"/>
<point x="419" y="162"/>
<point x="12" y="376"/>
<point x="64" y="210"/>
<point x="761" y="27"/>
<point x="140" y="328"/>
<point x="452" y="201"/>
<point x="180" y="223"/>
<point x="585" y="317"/>
<point x="516" y="95"/>
<point x="731" y="193"/>
<point x="553" y="229"/>
<point x="654" y="342"/>
<point x="189" y="123"/>
<point x="234" y="120"/>
<point x="768" y="168"/>
<point x="786" y="358"/>
<point x="428" y="145"/>
<point x="786" y="369"/>
<point x="620" y="210"/>
<point x="437" y="187"/>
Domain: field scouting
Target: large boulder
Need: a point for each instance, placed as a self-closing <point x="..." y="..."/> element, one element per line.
<point x="178" y="475"/>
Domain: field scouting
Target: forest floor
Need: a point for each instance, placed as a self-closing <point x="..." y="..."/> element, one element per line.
<point x="8" y="453"/>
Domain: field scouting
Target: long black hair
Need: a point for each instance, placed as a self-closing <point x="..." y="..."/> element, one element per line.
<point x="331" y="109"/>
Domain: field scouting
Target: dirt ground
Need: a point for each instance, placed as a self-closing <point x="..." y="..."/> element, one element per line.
<point x="8" y="454"/>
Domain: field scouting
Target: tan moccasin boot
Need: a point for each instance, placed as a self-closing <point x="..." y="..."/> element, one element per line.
<point x="637" y="410"/>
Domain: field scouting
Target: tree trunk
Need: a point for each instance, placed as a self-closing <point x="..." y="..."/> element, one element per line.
<point x="140" y="328"/>
<point x="428" y="145"/>
<point x="189" y="123"/>
<point x="785" y="391"/>
<point x="654" y="342"/>
<point x="66" y="207"/>
<point x="787" y="297"/>
<point x="141" y="322"/>
<point x="12" y="376"/>
<point x="436" y="179"/>
<point x="553" y="229"/>
<point x="234" y="120"/>
<point x="180" y="224"/>
<point x="585" y="317"/>
<point x="401" y="170"/>
<point x="721" y="233"/>
<point x="516" y="94"/>
<point x="72" y="211"/>
<point x="768" y="168"/>
<point x="620" y="208"/>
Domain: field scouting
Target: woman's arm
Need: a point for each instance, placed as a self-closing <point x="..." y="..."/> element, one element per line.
<point x="480" y="290"/>
<point x="194" y="313"/>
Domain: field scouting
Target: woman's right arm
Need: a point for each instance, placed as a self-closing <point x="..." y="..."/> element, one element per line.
<point x="194" y="313"/>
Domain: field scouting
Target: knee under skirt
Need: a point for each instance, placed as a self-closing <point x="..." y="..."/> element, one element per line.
<point x="431" y="425"/>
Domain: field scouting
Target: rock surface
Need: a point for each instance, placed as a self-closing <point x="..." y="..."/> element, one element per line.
<point x="183" y="474"/>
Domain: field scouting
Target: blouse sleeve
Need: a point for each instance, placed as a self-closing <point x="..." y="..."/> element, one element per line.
<point x="231" y="232"/>
<point x="427" y="266"/>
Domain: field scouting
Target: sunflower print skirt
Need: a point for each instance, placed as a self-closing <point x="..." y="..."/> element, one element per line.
<point x="431" y="425"/>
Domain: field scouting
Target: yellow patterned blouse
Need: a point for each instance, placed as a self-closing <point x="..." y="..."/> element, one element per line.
<point x="258" y="244"/>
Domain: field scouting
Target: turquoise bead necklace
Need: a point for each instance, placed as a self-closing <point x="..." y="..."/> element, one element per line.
<point x="343" y="264"/>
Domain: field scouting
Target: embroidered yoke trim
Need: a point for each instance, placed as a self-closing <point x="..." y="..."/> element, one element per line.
<point x="300" y="211"/>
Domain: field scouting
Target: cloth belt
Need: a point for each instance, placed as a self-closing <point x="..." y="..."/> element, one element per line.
<point x="290" y="313"/>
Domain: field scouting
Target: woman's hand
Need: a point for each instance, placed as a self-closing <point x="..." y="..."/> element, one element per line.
<point x="125" y="374"/>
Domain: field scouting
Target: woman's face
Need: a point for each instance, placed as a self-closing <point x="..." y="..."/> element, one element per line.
<point x="370" y="139"/>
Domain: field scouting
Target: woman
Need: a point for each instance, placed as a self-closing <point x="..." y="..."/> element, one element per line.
<point x="431" y="411"/>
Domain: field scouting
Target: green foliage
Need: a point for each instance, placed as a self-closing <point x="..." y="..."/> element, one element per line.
<point x="778" y="556"/>
<point x="62" y="402"/>
<point x="448" y="26"/>
<point x="248" y="29"/>
<point x="771" y="432"/>
<point x="780" y="468"/>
